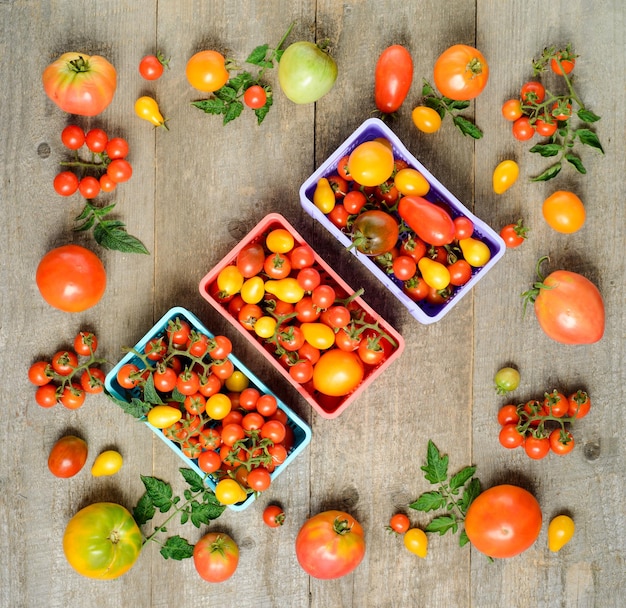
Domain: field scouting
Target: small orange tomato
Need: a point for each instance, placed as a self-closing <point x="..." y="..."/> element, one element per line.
<point x="564" y="212"/>
<point x="206" y="71"/>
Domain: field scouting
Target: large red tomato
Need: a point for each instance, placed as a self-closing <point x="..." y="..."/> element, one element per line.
<point x="71" y="278"/>
<point x="330" y="545"/>
<point x="569" y="308"/>
<point x="503" y="521"/>
<point x="80" y="84"/>
<point x="461" y="72"/>
<point x="102" y="541"/>
<point x="216" y="557"/>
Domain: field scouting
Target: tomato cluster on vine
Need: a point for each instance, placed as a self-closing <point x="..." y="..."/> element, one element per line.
<point x="64" y="378"/>
<point x="106" y="168"/>
<point x="380" y="202"/>
<point x="540" y="426"/>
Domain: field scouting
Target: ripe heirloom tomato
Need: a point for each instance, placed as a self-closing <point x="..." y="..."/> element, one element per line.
<point x="375" y="232"/>
<point x="67" y="456"/>
<point x="503" y="521"/>
<point x="371" y="163"/>
<point x="461" y="72"/>
<point x="564" y="212"/>
<point x="71" y="278"/>
<point x="392" y="78"/>
<point x="80" y="84"/>
<point x="330" y="545"/>
<point x="102" y="541"/>
<point x="206" y="71"/>
<point x="215" y="557"/>
<point x="337" y="372"/>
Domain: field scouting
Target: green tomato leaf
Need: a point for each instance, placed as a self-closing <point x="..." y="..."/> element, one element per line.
<point x="589" y="138"/>
<point x="546" y="150"/>
<point x="184" y="517"/>
<point x="456" y="105"/>
<point x="460" y="479"/>
<point x="150" y="394"/>
<point x="144" y="510"/>
<point x="203" y="512"/>
<point x="86" y="225"/>
<point x="427" y="89"/>
<point x="135" y="407"/>
<point x="463" y="539"/>
<point x="549" y="173"/>
<point x="111" y="234"/>
<point x="436" y="467"/>
<point x="176" y="548"/>
<point x="574" y="160"/>
<point x="194" y="481"/>
<point x="84" y="214"/>
<point x="442" y="524"/>
<point x="233" y="110"/>
<point x="159" y="491"/>
<point x="467" y="127"/>
<point x="472" y="490"/>
<point x="261" y="113"/>
<point x="587" y="115"/>
<point x="429" y="501"/>
<point x="257" y="56"/>
<point x="210" y="106"/>
<point x="241" y="82"/>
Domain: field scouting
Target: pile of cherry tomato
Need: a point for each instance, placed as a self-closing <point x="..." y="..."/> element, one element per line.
<point x="193" y="393"/>
<point x="64" y="379"/>
<point x="540" y="425"/>
<point x="380" y="202"/>
<point x="276" y="291"/>
<point x="106" y="168"/>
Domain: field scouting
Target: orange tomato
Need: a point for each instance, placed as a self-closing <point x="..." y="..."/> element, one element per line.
<point x="564" y="212"/>
<point x="461" y="72"/>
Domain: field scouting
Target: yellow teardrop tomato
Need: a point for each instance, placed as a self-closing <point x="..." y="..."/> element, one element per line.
<point x="253" y="290"/>
<point x="108" y="462"/>
<point x="371" y="163"/>
<point x="319" y="335"/>
<point x="411" y="182"/>
<point x="324" y="197"/>
<point x="288" y="290"/>
<point x="504" y="176"/>
<point x="279" y="240"/>
<point x="162" y="416"/>
<point x="265" y="327"/>
<point x="416" y="541"/>
<point x="218" y="406"/>
<point x="228" y="492"/>
<point x="435" y="274"/>
<point x="475" y="252"/>
<point x="148" y="109"/>
<point x="229" y="280"/>
<point x="560" y="531"/>
<point x="426" y="119"/>
<point x="237" y="382"/>
<point x="564" y="212"/>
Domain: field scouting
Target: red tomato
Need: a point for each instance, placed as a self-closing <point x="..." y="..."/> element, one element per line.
<point x="330" y="545"/>
<point x="533" y="92"/>
<point x="461" y="72"/>
<point x="255" y="97"/>
<point x="375" y="232"/>
<point x="216" y="556"/>
<point x="536" y="447"/>
<point x="250" y="260"/>
<point x="522" y="129"/>
<point x="68" y="456"/>
<point x="503" y="521"/>
<point x="151" y="67"/>
<point x="429" y="221"/>
<point x="392" y="78"/>
<point x="80" y="84"/>
<point x="579" y="404"/>
<point x="514" y="235"/>
<point x="71" y="278"/>
<point x="460" y="273"/>
<point x="569" y="308"/>
<point x="273" y="516"/>
<point x="561" y="442"/>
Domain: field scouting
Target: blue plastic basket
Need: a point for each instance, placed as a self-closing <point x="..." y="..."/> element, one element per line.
<point x="301" y="431"/>
<point x="423" y="311"/>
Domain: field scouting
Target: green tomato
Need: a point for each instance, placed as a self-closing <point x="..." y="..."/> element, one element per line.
<point x="306" y="72"/>
<point x="506" y="380"/>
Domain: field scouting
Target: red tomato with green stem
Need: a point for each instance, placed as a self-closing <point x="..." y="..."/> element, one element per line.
<point x="92" y="380"/>
<point x="561" y="442"/>
<point x="273" y="516"/>
<point x="330" y="545"/>
<point x="514" y="235"/>
<point x="533" y="92"/>
<point x="392" y="78"/>
<point x="399" y="523"/>
<point x="579" y="404"/>
<point x="523" y="129"/>
<point x="216" y="557"/>
<point x="151" y="67"/>
<point x="40" y="373"/>
<point x="46" y="395"/>
<point x="537" y="447"/>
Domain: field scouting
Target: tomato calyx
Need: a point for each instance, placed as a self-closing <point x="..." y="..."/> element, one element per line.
<point x="342" y="526"/>
<point x="531" y="295"/>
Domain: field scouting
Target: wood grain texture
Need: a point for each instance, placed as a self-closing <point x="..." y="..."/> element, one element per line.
<point x="199" y="187"/>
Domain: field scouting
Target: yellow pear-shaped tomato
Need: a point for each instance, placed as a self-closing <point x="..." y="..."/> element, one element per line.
<point x="228" y="492"/>
<point x="505" y="175"/>
<point x="319" y="335"/>
<point x="324" y="197"/>
<point x="288" y="290"/>
<point x="435" y="274"/>
<point x="162" y="416"/>
<point x="148" y="109"/>
<point x="475" y="252"/>
<point x="253" y="290"/>
<point x="107" y="463"/>
<point x="560" y="532"/>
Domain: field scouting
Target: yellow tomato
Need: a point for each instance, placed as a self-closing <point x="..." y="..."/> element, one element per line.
<point x="288" y="290"/>
<point x="229" y="492"/>
<point x="162" y="416"/>
<point x="218" y="406"/>
<point x="319" y="335"/>
<point x="229" y="280"/>
<point x="560" y="531"/>
<point x="435" y="274"/>
<point x="253" y="290"/>
<point x="237" y="382"/>
<point x="337" y="372"/>
<point x="426" y="119"/>
<point x="279" y="240"/>
<point x="371" y="163"/>
<point x="475" y="252"/>
<point x="564" y="212"/>
<point x="411" y="182"/>
<point x="505" y="175"/>
<point x="324" y="197"/>
<point x="385" y="142"/>
<point x="108" y="462"/>
<point x="206" y="71"/>
<point x="148" y="109"/>
<point x="416" y="541"/>
<point x="265" y="327"/>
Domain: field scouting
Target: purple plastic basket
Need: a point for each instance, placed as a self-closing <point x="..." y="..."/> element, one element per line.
<point x="423" y="311"/>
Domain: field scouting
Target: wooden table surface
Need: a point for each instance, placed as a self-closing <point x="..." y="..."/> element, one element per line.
<point x="197" y="188"/>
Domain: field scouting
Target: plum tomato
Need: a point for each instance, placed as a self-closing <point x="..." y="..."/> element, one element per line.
<point x="426" y="119"/>
<point x="560" y="531"/>
<point x="392" y="78"/>
<point x="68" y="456"/>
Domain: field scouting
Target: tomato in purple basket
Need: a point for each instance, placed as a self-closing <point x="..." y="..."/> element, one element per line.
<point x="375" y="232"/>
<point x="430" y="222"/>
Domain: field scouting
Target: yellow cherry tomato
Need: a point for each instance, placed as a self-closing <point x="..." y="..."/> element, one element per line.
<point x="560" y="531"/>
<point x="148" y="109"/>
<point x="288" y="290"/>
<point x="505" y="175"/>
<point x="435" y="274"/>
<point x="228" y="492"/>
<point x="475" y="252"/>
<point x="265" y="327"/>
<point x="237" y="382"/>
<point x="416" y="541"/>
<point x="319" y="335"/>
<point x="279" y="240"/>
<point x="324" y="197"/>
<point x="162" y="416"/>
<point x="411" y="182"/>
<point x="426" y="119"/>
<point x="371" y="163"/>
<point x="564" y="212"/>
<point x="218" y="406"/>
<point x="229" y="280"/>
<point x="206" y="71"/>
<point x="253" y="290"/>
<point x="108" y="462"/>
